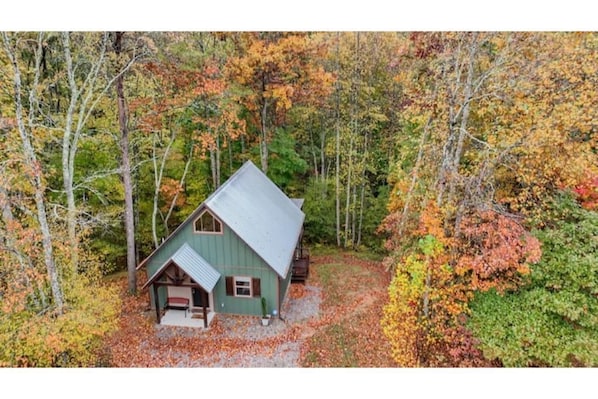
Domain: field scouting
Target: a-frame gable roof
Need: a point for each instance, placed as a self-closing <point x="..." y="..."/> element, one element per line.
<point x="193" y="264"/>
<point x="252" y="206"/>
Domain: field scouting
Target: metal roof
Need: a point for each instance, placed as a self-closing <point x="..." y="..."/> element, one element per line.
<point x="298" y="202"/>
<point x="251" y="205"/>
<point x="194" y="265"/>
<point x="268" y="221"/>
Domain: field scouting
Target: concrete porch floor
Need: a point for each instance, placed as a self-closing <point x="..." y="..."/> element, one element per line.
<point x="175" y="317"/>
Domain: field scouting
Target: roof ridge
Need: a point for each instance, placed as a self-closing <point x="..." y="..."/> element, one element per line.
<point x="204" y="203"/>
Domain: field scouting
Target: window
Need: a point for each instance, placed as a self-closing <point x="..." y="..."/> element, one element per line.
<point x="207" y="223"/>
<point x="243" y="286"/>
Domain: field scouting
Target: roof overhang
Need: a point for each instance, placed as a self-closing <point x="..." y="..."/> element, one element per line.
<point x="298" y="202"/>
<point x="198" y="269"/>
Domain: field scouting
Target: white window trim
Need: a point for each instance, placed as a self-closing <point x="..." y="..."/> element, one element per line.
<point x="249" y="286"/>
<point x="208" y="232"/>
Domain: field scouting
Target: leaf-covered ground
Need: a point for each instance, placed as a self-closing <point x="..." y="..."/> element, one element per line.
<point x="345" y="332"/>
<point x="348" y="332"/>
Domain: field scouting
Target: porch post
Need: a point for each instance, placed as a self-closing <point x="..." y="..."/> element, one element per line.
<point x="204" y="300"/>
<point x="157" y="302"/>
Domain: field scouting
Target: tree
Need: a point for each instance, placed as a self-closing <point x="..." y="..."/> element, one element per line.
<point x="551" y="321"/>
<point x="30" y="158"/>
<point x="187" y="113"/>
<point x="424" y="318"/>
<point x="276" y="70"/>
<point x="358" y="114"/>
<point x="49" y="315"/>
<point x="126" y="168"/>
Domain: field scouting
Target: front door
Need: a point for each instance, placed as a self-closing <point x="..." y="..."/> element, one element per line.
<point x="198" y="298"/>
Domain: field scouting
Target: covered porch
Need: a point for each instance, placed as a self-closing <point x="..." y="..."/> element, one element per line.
<point x="187" y="281"/>
<point x="182" y="318"/>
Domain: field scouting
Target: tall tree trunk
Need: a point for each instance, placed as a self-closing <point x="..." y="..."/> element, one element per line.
<point x="363" y="183"/>
<point x="352" y="134"/>
<point x="264" y="137"/>
<point x="217" y="161"/>
<point x="37" y="180"/>
<point x="213" y="165"/>
<point x="414" y="176"/>
<point x="176" y="196"/>
<point x="323" y="175"/>
<point x="67" y="162"/>
<point x="361" y="206"/>
<point x="83" y="100"/>
<point x="348" y="190"/>
<point x="354" y="217"/>
<point x="126" y="172"/>
<point x="158" y="174"/>
<point x="458" y="121"/>
<point x="312" y="147"/>
<point x="230" y="156"/>
<point x="337" y="129"/>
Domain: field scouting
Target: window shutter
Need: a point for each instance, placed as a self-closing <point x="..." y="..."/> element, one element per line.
<point x="256" y="287"/>
<point x="229" y="286"/>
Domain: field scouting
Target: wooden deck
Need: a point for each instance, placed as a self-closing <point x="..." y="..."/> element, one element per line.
<point x="301" y="265"/>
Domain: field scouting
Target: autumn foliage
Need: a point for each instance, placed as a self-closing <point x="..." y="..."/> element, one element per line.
<point x="497" y="138"/>
<point x="459" y="141"/>
<point x="587" y="193"/>
<point x="495" y="251"/>
<point x="72" y="339"/>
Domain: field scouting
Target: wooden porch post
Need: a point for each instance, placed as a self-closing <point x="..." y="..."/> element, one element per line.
<point x="157" y="302"/>
<point x="204" y="301"/>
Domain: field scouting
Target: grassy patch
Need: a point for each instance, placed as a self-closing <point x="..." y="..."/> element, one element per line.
<point x="325" y="250"/>
<point x="354" y="291"/>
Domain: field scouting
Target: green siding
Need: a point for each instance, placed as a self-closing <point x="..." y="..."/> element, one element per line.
<point x="228" y="254"/>
<point x="251" y="306"/>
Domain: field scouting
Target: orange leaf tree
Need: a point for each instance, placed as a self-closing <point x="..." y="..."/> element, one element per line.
<point x="274" y="71"/>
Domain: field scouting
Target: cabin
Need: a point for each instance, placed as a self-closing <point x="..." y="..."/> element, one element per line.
<point x="239" y="246"/>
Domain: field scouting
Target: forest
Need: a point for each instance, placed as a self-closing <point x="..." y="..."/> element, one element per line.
<point x="467" y="160"/>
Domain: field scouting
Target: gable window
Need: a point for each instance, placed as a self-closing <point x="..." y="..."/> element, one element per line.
<point x="207" y="223"/>
<point x="243" y="286"/>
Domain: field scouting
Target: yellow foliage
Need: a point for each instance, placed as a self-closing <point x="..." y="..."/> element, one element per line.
<point x="72" y="339"/>
<point x="426" y="300"/>
<point x="400" y="321"/>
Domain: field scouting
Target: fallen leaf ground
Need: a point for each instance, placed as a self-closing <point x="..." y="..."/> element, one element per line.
<point x="348" y="332"/>
<point x="345" y="333"/>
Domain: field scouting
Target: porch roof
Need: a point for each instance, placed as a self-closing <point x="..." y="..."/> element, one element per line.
<point x="198" y="269"/>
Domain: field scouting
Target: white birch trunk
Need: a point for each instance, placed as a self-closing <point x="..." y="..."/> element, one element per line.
<point x="37" y="180"/>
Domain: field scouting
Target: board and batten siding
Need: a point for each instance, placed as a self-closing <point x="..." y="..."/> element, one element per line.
<point x="228" y="254"/>
<point x="250" y="306"/>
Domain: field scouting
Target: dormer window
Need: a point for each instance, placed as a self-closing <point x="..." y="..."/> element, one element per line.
<point x="207" y="223"/>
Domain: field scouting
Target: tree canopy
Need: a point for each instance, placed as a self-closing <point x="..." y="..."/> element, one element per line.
<point x="467" y="159"/>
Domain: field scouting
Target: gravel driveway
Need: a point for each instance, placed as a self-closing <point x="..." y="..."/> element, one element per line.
<point x="297" y="311"/>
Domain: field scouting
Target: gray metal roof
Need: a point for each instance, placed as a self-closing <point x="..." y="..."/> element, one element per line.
<point x="194" y="265"/>
<point x="298" y="202"/>
<point x="268" y="221"/>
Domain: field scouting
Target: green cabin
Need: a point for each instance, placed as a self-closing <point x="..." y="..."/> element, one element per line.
<point x="236" y="248"/>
